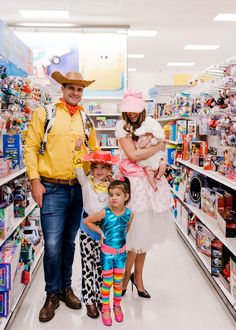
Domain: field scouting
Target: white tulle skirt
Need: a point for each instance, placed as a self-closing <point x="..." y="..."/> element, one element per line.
<point x="147" y="229"/>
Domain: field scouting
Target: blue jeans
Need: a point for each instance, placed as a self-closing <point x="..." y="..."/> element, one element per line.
<point x="60" y="218"/>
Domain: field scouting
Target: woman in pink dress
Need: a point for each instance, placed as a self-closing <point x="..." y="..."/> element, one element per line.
<point x="152" y="209"/>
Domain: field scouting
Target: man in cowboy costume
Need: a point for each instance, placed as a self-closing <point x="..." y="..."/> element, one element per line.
<point x="49" y="153"/>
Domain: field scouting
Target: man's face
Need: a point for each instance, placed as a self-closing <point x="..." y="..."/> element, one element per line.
<point x="72" y="93"/>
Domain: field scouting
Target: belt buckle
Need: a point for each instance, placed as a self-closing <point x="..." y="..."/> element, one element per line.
<point x="118" y="251"/>
<point x="71" y="182"/>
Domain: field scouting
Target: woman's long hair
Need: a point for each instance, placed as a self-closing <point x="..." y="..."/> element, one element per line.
<point x="130" y="127"/>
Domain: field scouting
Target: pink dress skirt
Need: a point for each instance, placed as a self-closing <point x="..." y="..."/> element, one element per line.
<point x="152" y="209"/>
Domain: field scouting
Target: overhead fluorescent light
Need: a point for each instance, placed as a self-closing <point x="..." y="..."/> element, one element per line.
<point x="45" y="13"/>
<point x="225" y="17"/>
<point x="201" y="47"/>
<point x="135" y="55"/>
<point x="140" y="33"/>
<point x="132" y="69"/>
<point x="47" y="24"/>
<point x="180" y="64"/>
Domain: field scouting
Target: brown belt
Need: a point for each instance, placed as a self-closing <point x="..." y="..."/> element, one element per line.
<point x="70" y="182"/>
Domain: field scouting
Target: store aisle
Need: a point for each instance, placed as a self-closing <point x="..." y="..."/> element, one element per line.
<point x="182" y="298"/>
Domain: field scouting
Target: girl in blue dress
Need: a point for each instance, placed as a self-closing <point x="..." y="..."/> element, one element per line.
<point x="115" y="221"/>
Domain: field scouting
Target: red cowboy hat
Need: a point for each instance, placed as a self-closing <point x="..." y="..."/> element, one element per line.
<point x="104" y="157"/>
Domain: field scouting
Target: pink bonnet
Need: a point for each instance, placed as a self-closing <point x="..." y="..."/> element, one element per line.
<point x="132" y="101"/>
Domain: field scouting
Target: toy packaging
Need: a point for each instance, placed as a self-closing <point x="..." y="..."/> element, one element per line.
<point x="12" y="149"/>
<point x="208" y="201"/>
<point x="233" y="276"/>
<point x="203" y="238"/>
<point x="216" y="257"/>
<point x="192" y="129"/>
<point x="9" y="258"/>
<point x="181" y="129"/>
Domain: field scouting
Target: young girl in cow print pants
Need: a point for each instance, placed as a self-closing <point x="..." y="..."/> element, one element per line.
<point x="95" y="198"/>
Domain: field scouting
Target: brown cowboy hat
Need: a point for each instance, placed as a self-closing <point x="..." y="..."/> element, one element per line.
<point x="71" y="78"/>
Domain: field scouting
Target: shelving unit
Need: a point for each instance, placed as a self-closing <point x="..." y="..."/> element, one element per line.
<point x="105" y="128"/>
<point x="12" y="176"/>
<point x="206" y="267"/>
<point x="211" y="224"/>
<point x="163" y="119"/>
<point x="109" y="148"/>
<point x="18" y="221"/>
<point x="211" y="174"/>
<point x="4" y="321"/>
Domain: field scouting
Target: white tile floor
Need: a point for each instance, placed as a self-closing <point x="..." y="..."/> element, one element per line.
<point x="182" y="298"/>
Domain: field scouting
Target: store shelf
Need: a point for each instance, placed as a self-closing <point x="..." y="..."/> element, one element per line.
<point x="210" y="174"/>
<point x="210" y="223"/>
<point x="176" y="168"/>
<point x="36" y="261"/>
<point x="5" y="320"/>
<point x="175" y="118"/>
<point x="175" y="142"/>
<point x="104" y="114"/>
<point x="204" y="263"/>
<point x="12" y="176"/>
<point x="105" y="129"/>
<point x="18" y="221"/>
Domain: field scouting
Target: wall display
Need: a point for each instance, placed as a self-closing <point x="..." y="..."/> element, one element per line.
<point x="14" y="53"/>
<point x="98" y="56"/>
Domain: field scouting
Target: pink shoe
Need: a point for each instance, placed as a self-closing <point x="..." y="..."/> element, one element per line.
<point x="106" y="317"/>
<point x="119" y="317"/>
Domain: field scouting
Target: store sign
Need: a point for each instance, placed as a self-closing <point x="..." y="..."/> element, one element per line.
<point x="12" y="149"/>
<point x="12" y="49"/>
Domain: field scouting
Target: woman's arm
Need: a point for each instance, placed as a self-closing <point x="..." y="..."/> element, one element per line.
<point x="134" y="154"/>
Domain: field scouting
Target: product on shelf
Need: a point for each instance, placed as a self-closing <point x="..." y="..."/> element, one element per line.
<point x="181" y="129"/>
<point x="172" y="130"/>
<point x="6" y="210"/>
<point x="171" y="148"/>
<point x="203" y="238"/>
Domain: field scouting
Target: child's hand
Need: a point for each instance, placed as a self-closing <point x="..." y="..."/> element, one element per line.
<point x="109" y="177"/>
<point x="102" y="239"/>
<point x="78" y="144"/>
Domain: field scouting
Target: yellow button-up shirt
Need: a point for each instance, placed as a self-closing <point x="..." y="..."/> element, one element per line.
<point x="57" y="161"/>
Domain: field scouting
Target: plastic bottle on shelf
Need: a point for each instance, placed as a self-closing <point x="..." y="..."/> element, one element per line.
<point x="166" y="129"/>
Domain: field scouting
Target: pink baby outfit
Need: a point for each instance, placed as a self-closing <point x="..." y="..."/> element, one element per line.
<point x="152" y="209"/>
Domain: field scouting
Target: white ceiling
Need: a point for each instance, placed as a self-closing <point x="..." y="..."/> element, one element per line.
<point x="179" y="22"/>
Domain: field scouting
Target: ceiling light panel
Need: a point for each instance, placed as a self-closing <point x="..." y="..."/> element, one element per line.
<point x="225" y="17"/>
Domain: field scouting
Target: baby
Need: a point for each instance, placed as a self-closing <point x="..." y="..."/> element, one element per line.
<point x="151" y="133"/>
